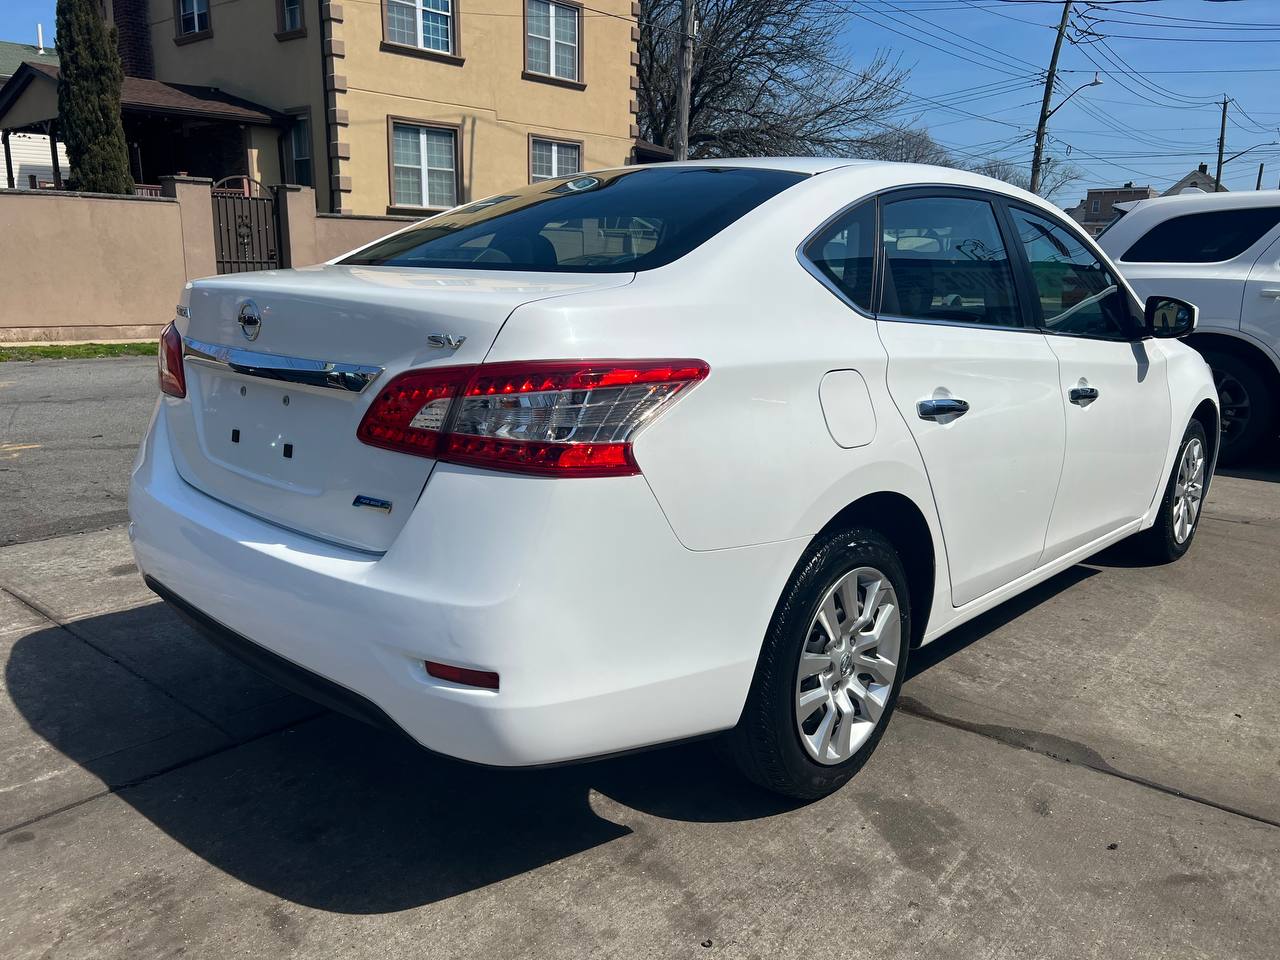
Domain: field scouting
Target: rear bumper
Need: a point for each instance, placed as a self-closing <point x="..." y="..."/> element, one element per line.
<point x="274" y="667"/>
<point x="608" y="635"/>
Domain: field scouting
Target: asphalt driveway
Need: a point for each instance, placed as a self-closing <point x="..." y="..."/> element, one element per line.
<point x="1090" y="771"/>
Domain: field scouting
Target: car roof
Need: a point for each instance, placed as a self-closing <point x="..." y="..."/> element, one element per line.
<point x="1198" y="202"/>
<point x="885" y="171"/>
<point x="793" y="164"/>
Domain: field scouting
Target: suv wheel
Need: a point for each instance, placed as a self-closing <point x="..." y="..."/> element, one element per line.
<point x="1246" y="403"/>
<point x="830" y="668"/>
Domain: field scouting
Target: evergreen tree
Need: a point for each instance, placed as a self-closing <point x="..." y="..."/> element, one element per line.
<point x="89" y="99"/>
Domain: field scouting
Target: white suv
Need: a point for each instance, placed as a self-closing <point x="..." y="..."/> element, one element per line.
<point x="652" y="453"/>
<point x="1222" y="252"/>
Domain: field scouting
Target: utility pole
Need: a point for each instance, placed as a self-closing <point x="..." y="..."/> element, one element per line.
<point x="686" y="79"/>
<point x="1222" y="142"/>
<point x="1038" y="157"/>
<point x="1259" y="184"/>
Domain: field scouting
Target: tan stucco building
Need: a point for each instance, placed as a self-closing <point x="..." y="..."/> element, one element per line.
<point x="384" y="106"/>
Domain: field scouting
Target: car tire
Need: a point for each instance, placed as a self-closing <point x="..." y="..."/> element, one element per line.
<point x="1247" y="402"/>
<point x="799" y="708"/>
<point x="1171" y="535"/>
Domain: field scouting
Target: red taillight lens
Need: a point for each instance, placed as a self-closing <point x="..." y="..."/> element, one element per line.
<point x="556" y="418"/>
<point x="470" y="678"/>
<point x="173" y="379"/>
<point x="409" y="412"/>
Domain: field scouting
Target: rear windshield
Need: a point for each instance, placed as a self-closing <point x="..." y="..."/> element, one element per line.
<point x="610" y="222"/>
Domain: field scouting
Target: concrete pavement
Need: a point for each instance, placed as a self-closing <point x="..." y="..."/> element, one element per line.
<point x="1090" y="771"/>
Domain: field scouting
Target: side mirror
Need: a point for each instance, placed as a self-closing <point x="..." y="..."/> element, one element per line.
<point x="1169" y="317"/>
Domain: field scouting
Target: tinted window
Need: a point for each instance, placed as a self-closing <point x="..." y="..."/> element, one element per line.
<point x="944" y="260"/>
<point x="845" y="251"/>
<point x="1203" y="237"/>
<point x="1078" y="295"/>
<point x="620" y="221"/>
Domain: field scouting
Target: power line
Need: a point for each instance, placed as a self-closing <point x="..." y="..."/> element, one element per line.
<point x="867" y="16"/>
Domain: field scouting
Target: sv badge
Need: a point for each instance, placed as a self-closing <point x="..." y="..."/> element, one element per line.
<point x="445" y="341"/>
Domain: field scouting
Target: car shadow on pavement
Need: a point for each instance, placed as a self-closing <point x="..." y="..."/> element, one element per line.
<point x="325" y="811"/>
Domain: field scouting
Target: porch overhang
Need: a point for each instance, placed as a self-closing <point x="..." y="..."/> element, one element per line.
<point x="29" y="101"/>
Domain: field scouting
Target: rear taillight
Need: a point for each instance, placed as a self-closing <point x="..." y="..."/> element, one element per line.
<point x="556" y="418"/>
<point x="173" y="380"/>
<point x="410" y="411"/>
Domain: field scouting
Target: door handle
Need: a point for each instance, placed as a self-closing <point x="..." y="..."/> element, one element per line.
<point x="942" y="407"/>
<point x="1082" y="395"/>
<point x="1269" y="293"/>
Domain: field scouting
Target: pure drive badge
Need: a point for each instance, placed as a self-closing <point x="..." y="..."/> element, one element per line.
<point x="372" y="502"/>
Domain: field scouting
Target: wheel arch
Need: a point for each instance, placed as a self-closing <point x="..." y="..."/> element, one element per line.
<point x="1207" y="416"/>
<point x="900" y="519"/>
<point x="1214" y="342"/>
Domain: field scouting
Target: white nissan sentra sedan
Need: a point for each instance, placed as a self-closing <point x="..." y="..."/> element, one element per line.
<point x="625" y="458"/>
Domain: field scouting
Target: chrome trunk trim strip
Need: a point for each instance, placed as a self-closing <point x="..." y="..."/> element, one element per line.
<point x="351" y="377"/>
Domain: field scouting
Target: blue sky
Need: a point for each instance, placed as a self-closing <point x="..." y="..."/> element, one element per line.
<point x="1150" y="128"/>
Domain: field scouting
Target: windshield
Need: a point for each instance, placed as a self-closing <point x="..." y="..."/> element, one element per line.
<point x="616" y="221"/>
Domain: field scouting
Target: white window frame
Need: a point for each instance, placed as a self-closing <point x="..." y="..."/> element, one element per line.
<point x="556" y="11"/>
<point x="194" y="8"/>
<point x="424" y="166"/>
<point x="418" y="7"/>
<point x="556" y="147"/>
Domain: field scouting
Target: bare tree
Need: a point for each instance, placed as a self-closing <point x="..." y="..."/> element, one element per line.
<point x="1055" y="175"/>
<point x="905" y="145"/>
<point x="768" y="79"/>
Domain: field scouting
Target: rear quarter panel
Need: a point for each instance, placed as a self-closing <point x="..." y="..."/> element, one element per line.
<point x="746" y="456"/>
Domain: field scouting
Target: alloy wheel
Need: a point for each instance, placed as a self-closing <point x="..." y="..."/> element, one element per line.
<point x="1188" y="490"/>
<point x="848" y="665"/>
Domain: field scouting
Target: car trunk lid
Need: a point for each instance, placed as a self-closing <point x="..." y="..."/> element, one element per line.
<point x="269" y="423"/>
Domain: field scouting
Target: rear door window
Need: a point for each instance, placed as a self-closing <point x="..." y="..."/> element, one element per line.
<point x="944" y="260"/>
<point x="1210" y="237"/>
<point x="622" y="220"/>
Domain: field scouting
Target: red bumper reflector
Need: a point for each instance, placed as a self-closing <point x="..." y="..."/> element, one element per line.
<point x="469" y="678"/>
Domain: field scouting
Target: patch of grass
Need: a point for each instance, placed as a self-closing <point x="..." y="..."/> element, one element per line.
<point x="76" y="351"/>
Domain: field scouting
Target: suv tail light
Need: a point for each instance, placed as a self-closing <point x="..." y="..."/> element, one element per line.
<point x="173" y="379"/>
<point x="555" y="417"/>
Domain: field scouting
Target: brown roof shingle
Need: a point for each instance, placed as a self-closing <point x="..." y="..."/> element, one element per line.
<point x="182" y="99"/>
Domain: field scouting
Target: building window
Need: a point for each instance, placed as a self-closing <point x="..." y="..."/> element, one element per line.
<point x="300" y="152"/>
<point x="193" y="17"/>
<point x="424" y="166"/>
<point x="551" y="158"/>
<point x="425" y="24"/>
<point x="551" y="41"/>
<point x="1094" y="206"/>
<point x="290" y="20"/>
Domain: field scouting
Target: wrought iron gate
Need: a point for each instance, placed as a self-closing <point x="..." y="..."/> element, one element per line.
<point x="245" y="230"/>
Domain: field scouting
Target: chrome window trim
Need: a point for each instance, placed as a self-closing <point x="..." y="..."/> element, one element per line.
<point x="328" y="374"/>
<point x="1020" y="328"/>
